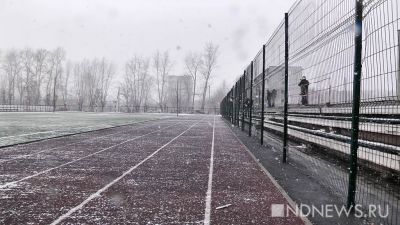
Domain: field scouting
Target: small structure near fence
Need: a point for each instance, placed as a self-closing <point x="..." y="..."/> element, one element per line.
<point x="328" y="81"/>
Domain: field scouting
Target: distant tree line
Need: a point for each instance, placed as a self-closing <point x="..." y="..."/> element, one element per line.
<point x="45" y="77"/>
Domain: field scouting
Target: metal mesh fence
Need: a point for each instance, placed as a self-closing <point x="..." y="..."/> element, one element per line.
<point x="355" y="155"/>
<point x="107" y="108"/>
<point x="378" y="180"/>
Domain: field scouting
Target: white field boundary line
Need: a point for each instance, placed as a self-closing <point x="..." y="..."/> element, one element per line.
<point x="98" y="193"/>
<point x="291" y="202"/>
<point x="207" y="213"/>
<point x="105" y="126"/>
<point x="50" y="149"/>
<point x="102" y="126"/>
<point x="72" y="133"/>
<point x="3" y="186"/>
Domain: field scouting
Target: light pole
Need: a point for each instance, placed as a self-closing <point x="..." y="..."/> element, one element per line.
<point x="177" y="97"/>
<point x="54" y="93"/>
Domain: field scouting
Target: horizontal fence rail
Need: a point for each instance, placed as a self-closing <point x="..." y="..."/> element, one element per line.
<point x="326" y="85"/>
<point x="107" y="108"/>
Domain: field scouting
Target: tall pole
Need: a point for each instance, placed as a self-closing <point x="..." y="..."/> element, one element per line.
<point x="285" y="106"/>
<point x="209" y="92"/>
<point x="234" y="105"/>
<point x="54" y="93"/>
<point x="209" y="98"/>
<point x="356" y="105"/>
<point x="237" y="102"/>
<point x="262" y="97"/>
<point x="251" y="98"/>
<point x="231" y="105"/>
<point x="242" y="96"/>
<point x="398" y="63"/>
<point x="177" y="97"/>
<point x="118" y="99"/>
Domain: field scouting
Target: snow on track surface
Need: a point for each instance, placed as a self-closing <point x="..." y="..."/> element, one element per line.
<point x="157" y="172"/>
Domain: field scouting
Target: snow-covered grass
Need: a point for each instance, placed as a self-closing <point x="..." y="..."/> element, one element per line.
<point x="19" y="127"/>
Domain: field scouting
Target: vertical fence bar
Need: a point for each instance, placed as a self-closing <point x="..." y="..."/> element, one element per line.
<point x="234" y="104"/>
<point x="356" y="104"/>
<point x="231" y="104"/>
<point x="237" y="103"/>
<point x="398" y="64"/>
<point x="285" y="106"/>
<point x="251" y="99"/>
<point x="243" y="86"/>
<point x="262" y="98"/>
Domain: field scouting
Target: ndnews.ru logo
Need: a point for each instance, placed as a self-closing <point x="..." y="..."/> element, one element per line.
<point x="329" y="211"/>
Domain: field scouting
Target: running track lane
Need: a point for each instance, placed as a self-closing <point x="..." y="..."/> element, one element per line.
<point x="23" y="150"/>
<point x="169" y="188"/>
<point x="171" y="185"/>
<point x="42" y="199"/>
<point x="19" y="168"/>
<point x="240" y="184"/>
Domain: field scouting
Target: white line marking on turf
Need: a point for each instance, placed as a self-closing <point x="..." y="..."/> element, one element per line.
<point x="76" y="160"/>
<point x="98" y="193"/>
<point x="73" y="134"/>
<point x="207" y="213"/>
<point x="50" y="149"/>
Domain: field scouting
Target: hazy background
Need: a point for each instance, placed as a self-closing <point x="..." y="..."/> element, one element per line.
<point x="119" y="29"/>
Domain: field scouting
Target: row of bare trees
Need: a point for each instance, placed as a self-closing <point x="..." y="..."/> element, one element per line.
<point x="143" y="74"/>
<point x="203" y="63"/>
<point x="29" y="76"/>
<point x="44" y="77"/>
<point x="92" y="79"/>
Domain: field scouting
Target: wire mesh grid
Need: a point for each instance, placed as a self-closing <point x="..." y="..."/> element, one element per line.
<point x="320" y="89"/>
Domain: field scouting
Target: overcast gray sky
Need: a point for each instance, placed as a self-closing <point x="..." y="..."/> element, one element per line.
<point x="119" y="29"/>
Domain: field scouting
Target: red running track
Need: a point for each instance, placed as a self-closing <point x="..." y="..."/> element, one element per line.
<point x="173" y="171"/>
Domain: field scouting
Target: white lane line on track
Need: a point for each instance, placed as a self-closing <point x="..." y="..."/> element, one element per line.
<point x="79" y="159"/>
<point x="98" y="193"/>
<point x="50" y="149"/>
<point x="207" y="213"/>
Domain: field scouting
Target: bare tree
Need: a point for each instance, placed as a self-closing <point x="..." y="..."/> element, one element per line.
<point x="57" y="59"/>
<point x="40" y="66"/>
<point x="27" y="84"/>
<point x="136" y="82"/>
<point x="79" y="81"/>
<point x="54" y="72"/>
<point x="219" y="94"/>
<point x="193" y="63"/>
<point x="162" y="65"/>
<point x="91" y="82"/>
<point x="12" y="68"/>
<point x="106" y="73"/>
<point x="64" y="84"/>
<point x="210" y="63"/>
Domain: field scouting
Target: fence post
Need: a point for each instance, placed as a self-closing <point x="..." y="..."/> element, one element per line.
<point x="285" y="106"/>
<point x="243" y="88"/>
<point x="237" y="103"/>
<point x="251" y="100"/>
<point x="262" y="97"/>
<point x="356" y="104"/>
<point x="231" y="105"/>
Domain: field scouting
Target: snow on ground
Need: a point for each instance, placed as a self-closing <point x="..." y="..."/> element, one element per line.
<point x="20" y="127"/>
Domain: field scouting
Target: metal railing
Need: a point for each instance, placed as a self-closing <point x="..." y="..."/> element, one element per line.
<point x="107" y="108"/>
